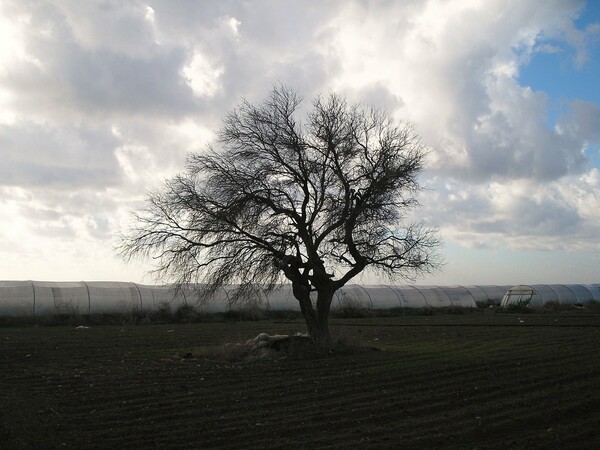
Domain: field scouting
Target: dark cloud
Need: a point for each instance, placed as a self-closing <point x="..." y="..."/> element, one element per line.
<point x="584" y="121"/>
<point x="41" y="155"/>
<point x="64" y="74"/>
<point x="379" y="96"/>
<point x="513" y="149"/>
<point x="512" y="141"/>
<point x="51" y="205"/>
<point x="527" y="217"/>
<point x="109" y="83"/>
<point x="517" y="214"/>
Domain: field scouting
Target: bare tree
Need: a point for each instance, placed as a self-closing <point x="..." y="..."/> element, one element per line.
<point x="315" y="202"/>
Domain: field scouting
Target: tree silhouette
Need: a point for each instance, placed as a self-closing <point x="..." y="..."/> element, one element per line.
<point x="315" y="203"/>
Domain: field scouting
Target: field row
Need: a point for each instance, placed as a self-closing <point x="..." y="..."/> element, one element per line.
<point x="434" y="384"/>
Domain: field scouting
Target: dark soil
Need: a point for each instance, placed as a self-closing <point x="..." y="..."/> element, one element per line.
<point x="464" y="381"/>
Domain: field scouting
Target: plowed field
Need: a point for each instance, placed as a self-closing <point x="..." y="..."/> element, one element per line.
<point x="472" y="381"/>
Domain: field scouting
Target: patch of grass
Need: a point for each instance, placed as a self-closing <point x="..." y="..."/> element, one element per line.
<point x="185" y="314"/>
<point x="246" y="313"/>
<point x="425" y="311"/>
<point x="593" y="306"/>
<point x="350" y="308"/>
<point x="519" y="307"/>
<point x="486" y="304"/>
<point x="578" y="308"/>
<point x="283" y="315"/>
<point x="164" y="314"/>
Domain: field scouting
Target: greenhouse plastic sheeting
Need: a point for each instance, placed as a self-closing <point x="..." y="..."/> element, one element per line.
<point x="537" y="295"/>
<point x="16" y="298"/>
<point x="46" y="297"/>
<point x="584" y="293"/>
<point x="60" y="298"/>
<point x="282" y="299"/>
<point x="459" y="296"/>
<point x="410" y="297"/>
<point x="352" y="295"/>
<point x="382" y="296"/>
<point x="113" y="297"/>
<point x="594" y="291"/>
<point x="490" y="294"/>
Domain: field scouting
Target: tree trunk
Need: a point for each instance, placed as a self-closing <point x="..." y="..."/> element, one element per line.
<point x="320" y="334"/>
<point x="317" y="320"/>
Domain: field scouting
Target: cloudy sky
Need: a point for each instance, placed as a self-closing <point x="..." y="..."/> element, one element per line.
<point x="100" y="101"/>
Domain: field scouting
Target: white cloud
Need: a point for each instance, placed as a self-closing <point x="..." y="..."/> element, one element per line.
<point x="519" y="214"/>
<point x="455" y="66"/>
<point x="101" y="100"/>
<point x="202" y="76"/>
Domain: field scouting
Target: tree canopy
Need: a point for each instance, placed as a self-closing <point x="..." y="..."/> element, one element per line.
<point x="314" y="200"/>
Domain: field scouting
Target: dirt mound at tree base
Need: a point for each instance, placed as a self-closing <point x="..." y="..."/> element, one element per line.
<point x="298" y="346"/>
